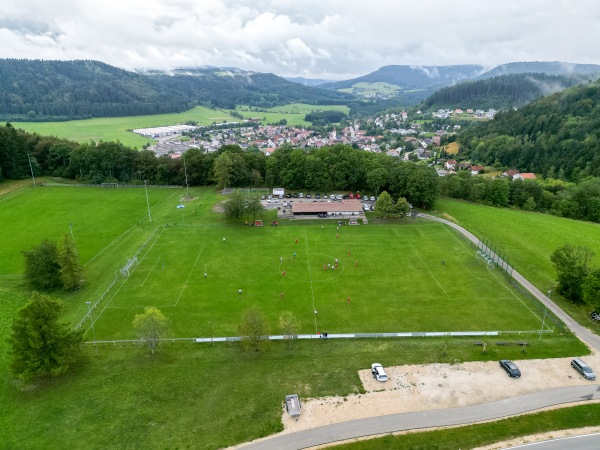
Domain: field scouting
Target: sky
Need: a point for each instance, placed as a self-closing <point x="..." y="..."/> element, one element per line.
<point x="325" y="39"/>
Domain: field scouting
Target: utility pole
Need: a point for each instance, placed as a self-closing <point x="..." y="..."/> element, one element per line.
<point x="31" y="168"/>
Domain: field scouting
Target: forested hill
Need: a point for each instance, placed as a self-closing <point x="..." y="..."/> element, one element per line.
<point x="556" y="136"/>
<point x="62" y="90"/>
<point x="505" y="91"/>
<point x="547" y="67"/>
<point x="412" y="77"/>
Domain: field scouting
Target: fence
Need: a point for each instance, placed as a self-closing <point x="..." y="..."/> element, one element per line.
<point x="502" y="262"/>
<point x="118" y="186"/>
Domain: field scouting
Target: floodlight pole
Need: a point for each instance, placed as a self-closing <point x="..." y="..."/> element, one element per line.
<point x="147" y="202"/>
<point x="544" y="319"/>
<point x="92" y="322"/>
<point x="187" y="188"/>
<point x="31" y="168"/>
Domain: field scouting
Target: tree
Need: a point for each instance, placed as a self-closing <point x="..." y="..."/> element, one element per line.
<point x="377" y="178"/>
<point x="591" y="289"/>
<point x="252" y="329"/>
<point x="42" y="269"/>
<point x="288" y="324"/>
<point x="223" y="170"/>
<point x="402" y="207"/>
<point x="151" y="326"/>
<point x="384" y="204"/>
<point x="572" y="266"/>
<point x="235" y="206"/>
<point x="70" y="269"/>
<point x="253" y="206"/>
<point x="40" y="344"/>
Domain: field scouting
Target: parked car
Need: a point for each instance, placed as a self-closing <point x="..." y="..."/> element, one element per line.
<point x="585" y="370"/>
<point x="308" y="196"/>
<point x="366" y="207"/>
<point x="301" y="195"/>
<point x="378" y="372"/>
<point x="511" y="368"/>
<point x="262" y="197"/>
<point x="338" y="197"/>
<point x="595" y="315"/>
<point x="295" y="195"/>
<point x="332" y="197"/>
<point x="285" y="204"/>
<point x="372" y="198"/>
<point x="351" y="195"/>
<point x="288" y="196"/>
<point x="318" y="195"/>
<point x="372" y="207"/>
<point x="272" y="200"/>
<point x="280" y="196"/>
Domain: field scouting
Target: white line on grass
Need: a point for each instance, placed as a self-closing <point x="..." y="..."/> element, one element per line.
<point x="312" y="291"/>
<point x="503" y="284"/>
<point x="430" y="272"/>
<point x="150" y="271"/>
<point x="189" y="275"/>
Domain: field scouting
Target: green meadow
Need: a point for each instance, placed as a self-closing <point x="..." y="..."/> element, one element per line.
<point x="118" y="128"/>
<point x="293" y="113"/>
<point x="192" y="395"/>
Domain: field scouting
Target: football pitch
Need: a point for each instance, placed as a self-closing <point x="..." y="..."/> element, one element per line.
<point x="411" y="277"/>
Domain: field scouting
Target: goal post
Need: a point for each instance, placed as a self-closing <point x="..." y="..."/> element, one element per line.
<point x="485" y="258"/>
<point x="128" y="268"/>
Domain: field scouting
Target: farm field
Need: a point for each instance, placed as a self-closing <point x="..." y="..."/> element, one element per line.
<point x="293" y="113"/>
<point x="116" y="128"/>
<point x="188" y="395"/>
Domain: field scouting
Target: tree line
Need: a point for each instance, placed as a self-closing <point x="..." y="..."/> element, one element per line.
<point x="580" y="201"/>
<point x="330" y="168"/>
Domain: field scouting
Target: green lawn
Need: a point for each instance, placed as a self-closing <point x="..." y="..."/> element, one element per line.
<point x="117" y="128"/>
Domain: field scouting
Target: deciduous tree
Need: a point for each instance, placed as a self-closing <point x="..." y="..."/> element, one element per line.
<point x="151" y="325"/>
<point x="572" y="267"/>
<point x="70" y="269"/>
<point x="253" y="329"/>
<point x="288" y="324"/>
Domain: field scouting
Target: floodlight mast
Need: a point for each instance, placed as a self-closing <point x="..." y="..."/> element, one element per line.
<point x="147" y="202"/>
<point x="31" y="168"/>
<point x="92" y="322"/>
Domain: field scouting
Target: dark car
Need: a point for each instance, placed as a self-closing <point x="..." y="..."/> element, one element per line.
<point x="288" y="195"/>
<point x="318" y="195"/>
<point x="307" y="195"/>
<point x="511" y="368"/>
<point x="595" y="315"/>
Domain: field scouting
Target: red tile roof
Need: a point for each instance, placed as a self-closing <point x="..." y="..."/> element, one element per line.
<point x="323" y="206"/>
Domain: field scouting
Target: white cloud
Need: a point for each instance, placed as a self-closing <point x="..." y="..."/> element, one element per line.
<point x="325" y="39"/>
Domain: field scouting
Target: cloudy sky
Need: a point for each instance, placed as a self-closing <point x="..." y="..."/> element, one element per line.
<point x="331" y="39"/>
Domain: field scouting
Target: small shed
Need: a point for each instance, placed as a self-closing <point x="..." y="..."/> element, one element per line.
<point x="292" y="405"/>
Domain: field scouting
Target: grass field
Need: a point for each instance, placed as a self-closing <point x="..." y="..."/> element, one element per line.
<point x="400" y="284"/>
<point x="117" y="128"/>
<point x="201" y="396"/>
<point x="293" y="113"/>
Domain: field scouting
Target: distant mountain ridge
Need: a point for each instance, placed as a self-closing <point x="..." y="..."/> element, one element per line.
<point x="37" y="90"/>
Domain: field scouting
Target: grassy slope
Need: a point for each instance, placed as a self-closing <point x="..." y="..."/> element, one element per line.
<point x="116" y="128"/>
<point x="528" y="239"/>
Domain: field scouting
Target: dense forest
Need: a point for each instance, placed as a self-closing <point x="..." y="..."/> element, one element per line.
<point x="336" y="168"/>
<point x="34" y="90"/>
<point x="500" y="92"/>
<point x="556" y="136"/>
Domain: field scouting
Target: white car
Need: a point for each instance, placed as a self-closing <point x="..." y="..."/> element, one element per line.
<point x="272" y="200"/>
<point x="378" y="372"/>
<point x="372" y="198"/>
<point x="332" y="197"/>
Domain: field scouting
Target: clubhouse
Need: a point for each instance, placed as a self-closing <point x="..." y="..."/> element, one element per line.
<point x="343" y="208"/>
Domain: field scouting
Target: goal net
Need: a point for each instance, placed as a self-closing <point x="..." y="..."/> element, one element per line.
<point x="485" y="258"/>
<point x="128" y="268"/>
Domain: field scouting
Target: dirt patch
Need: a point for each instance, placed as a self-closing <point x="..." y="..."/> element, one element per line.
<point x="188" y="198"/>
<point x="436" y="386"/>
<point x="219" y="207"/>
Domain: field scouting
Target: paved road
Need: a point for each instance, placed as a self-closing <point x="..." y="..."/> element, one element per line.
<point x="426" y="419"/>
<point x="584" y="442"/>
<point x="583" y="333"/>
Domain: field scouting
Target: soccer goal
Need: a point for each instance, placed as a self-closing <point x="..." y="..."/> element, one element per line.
<point x="128" y="268"/>
<point x="487" y="259"/>
<point x="110" y="185"/>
